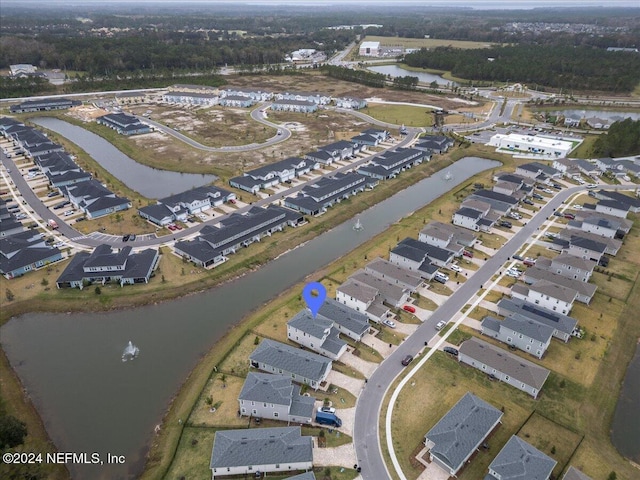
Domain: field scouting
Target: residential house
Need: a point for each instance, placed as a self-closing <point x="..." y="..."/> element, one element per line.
<point x="521" y="332"/>
<point x="44" y="105"/>
<point x="500" y="203"/>
<point x="394" y="274"/>
<point x="436" y="255"/>
<point x="302" y="366"/>
<point x="518" y="461"/>
<point x="317" y="98"/>
<point x="566" y="166"/>
<point x="503" y="365"/>
<point x="129" y="98"/>
<point x="181" y="87"/>
<point x="563" y="325"/>
<point x="23" y="251"/>
<point x="598" y="123"/>
<point x="585" y="290"/>
<point x="613" y="207"/>
<point x="572" y="120"/>
<point x="546" y="294"/>
<point x="351" y="103"/>
<point x="601" y="226"/>
<point x="362" y="298"/>
<point x="317" y="334"/>
<point x="104" y="265"/>
<point x="348" y="321"/>
<point x="255" y="95"/>
<point x="434" y="143"/>
<point x="468" y="218"/>
<point x="260" y="450"/>
<point x="632" y="202"/>
<point x="535" y="169"/>
<point x="275" y="397"/>
<point x="297" y="106"/>
<point x="236" y="101"/>
<point x="586" y="249"/>
<point x="123" y="123"/>
<point x="571" y="266"/>
<point x="391" y="164"/>
<point x="94" y="199"/>
<point x="198" y="99"/>
<point x="235" y="232"/>
<point x="316" y="198"/>
<point x="269" y="175"/>
<point x="458" y="434"/>
<point x="391" y="293"/>
<point x="447" y="236"/>
<point x="574" y="474"/>
<point x="67" y="179"/>
<point x="611" y="245"/>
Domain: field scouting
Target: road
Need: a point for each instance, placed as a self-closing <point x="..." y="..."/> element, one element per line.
<point x="77" y="239"/>
<point x="256" y="114"/>
<point x="369" y="407"/>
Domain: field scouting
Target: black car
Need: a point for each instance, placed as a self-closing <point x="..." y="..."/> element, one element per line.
<point x="517" y="257"/>
<point x="451" y="350"/>
<point x="537" y="196"/>
<point x="527" y="201"/>
<point x="126" y="238"/>
<point x="557" y="186"/>
<point x="505" y="224"/>
<point x="407" y="360"/>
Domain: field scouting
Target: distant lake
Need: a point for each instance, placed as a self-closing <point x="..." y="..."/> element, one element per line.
<point x="148" y="181"/>
<point x="625" y="430"/>
<point x="424" y="77"/>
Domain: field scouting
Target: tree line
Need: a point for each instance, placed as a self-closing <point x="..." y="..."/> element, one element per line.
<point x="621" y="140"/>
<point x="560" y="67"/>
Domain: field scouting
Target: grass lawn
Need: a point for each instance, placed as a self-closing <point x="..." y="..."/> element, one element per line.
<point x="426" y="42"/>
<point x="552" y="439"/>
<point x="364" y="352"/>
<point x="388" y="335"/>
<point x="400" y="114"/>
<point x="193" y="454"/>
<point x="347" y="370"/>
<point x="426" y="303"/>
<point x="340" y="399"/>
<point x="237" y="362"/>
<point x="224" y="397"/>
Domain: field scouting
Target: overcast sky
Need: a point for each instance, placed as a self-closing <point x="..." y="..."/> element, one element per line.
<point x="477" y="4"/>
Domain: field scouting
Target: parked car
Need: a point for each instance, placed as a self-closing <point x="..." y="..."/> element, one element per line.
<point x="557" y="186"/>
<point x="330" y="419"/>
<point x="513" y="273"/>
<point x="441" y="279"/>
<point x="505" y="224"/>
<point x="53" y="194"/>
<point x="517" y="257"/>
<point x="132" y="237"/>
<point x="514" y="215"/>
<point x="451" y="350"/>
<point x="547" y="190"/>
<point x="68" y="213"/>
<point x="529" y="262"/>
<point x="125" y="238"/>
<point x="440" y="325"/>
<point x="569" y="216"/>
<point x="467" y="253"/>
<point x="172" y="227"/>
<point x="537" y="196"/>
<point x="527" y="201"/>
<point x="407" y="360"/>
<point x="409" y="308"/>
<point x="327" y="409"/>
<point x="389" y="323"/>
<point x="455" y="268"/>
<point x="232" y="201"/>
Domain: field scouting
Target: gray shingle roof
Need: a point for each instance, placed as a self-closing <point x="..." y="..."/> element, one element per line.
<point x="391" y="293"/>
<point x="316" y="327"/>
<point x="268" y="388"/>
<point x="562" y="323"/>
<point x="260" y="446"/>
<point x="291" y="360"/>
<point x="430" y="250"/>
<point x="459" y="432"/>
<point x="512" y="365"/>
<point x="554" y="290"/>
<point x="358" y="290"/>
<point x="538" y="274"/>
<point x="387" y="269"/>
<point x="469" y="212"/>
<point x="521" y="461"/>
<point x="527" y="327"/>
<point x="344" y="316"/>
<point x="575" y="474"/>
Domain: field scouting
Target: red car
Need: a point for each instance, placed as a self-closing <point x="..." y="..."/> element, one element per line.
<point x="409" y="308"/>
<point x="178" y="227"/>
<point x="172" y="227"/>
<point x="232" y="201"/>
<point x="467" y="253"/>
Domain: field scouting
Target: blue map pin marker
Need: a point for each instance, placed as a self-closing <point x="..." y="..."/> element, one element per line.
<point x="314" y="302"/>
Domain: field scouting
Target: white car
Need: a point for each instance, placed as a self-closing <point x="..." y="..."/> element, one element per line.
<point x="68" y="213"/>
<point x="547" y="190"/>
<point x="577" y="206"/>
<point x="58" y="244"/>
<point x="455" y="268"/>
<point x="389" y="323"/>
<point x="440" y="325"/>
<point x="592" y="185"/>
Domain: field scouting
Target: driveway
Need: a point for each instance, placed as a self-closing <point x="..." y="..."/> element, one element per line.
<point x="352" y="385"/>
<point x="343" y="456"/>
<point x="363" y="366"/>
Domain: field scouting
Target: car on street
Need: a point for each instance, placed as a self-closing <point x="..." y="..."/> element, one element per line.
<point x="58" y="244"/>
<point x="389" y="323"/>
<point x="440" y="325"/>
<point x="407" y="360"/>
<point x="409" y="308"/>
<point x="455" y="268"/>
<point x="592" y="185"/>
<point x="451" y="351"/>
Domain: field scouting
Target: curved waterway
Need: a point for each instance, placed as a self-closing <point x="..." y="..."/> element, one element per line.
<point x="625" y="430"/>
<point x="150" y="182"/>
<point x="424" y="77"/>
<point x="90" y="401"/>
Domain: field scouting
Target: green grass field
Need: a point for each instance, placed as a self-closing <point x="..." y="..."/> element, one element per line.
<point x="426" y="42"/>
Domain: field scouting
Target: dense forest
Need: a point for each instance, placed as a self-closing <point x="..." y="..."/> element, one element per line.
<point x="567" y="68"/>
<point x="622" y="139"/>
